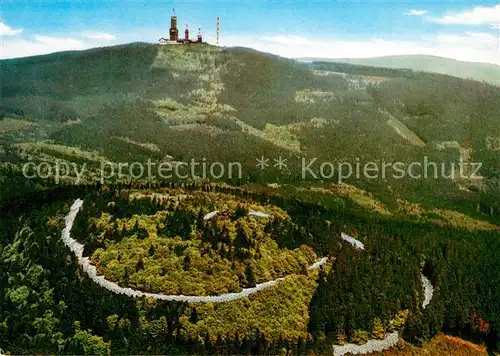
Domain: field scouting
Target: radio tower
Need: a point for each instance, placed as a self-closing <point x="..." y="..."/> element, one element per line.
<point x="218" y="30"/>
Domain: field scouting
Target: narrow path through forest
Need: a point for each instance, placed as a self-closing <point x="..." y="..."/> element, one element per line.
<point x="373" y="345"/>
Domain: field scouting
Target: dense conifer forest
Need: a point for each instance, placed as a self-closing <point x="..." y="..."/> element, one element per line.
<point x="49" y="306"/>
<point x="206" y="236"/>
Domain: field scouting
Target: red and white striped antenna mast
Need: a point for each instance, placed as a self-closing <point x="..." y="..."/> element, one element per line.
<point x="218" y="30"/>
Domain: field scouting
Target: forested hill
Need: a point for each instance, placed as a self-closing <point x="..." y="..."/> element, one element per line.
<point x="198" y="237"/>
<point x="140" y="101"/>
<point x="484" y="72"/>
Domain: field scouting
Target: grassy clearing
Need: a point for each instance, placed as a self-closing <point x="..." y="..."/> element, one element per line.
<point x="402" y="130"/>
<point x="200" y="129"/>
<point x="310" y="97"/>
<point x="63" y="164"/>
<point x="9" y="125"/>
<point x="359" y="196"/>
<point x="150" y="146"/>
<point x="445" y="217"/>
<point x="201" y="105"/>
<point x="438" y="346"/>
<point x="200" y="66"/>
<point x="192" y="59"/>
<point x="58" y="151"/>
<point x="281" y="136"/>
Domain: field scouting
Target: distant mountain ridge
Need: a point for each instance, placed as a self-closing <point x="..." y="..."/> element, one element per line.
<point x="143" y="101"/>
<point x="487" y="72"/>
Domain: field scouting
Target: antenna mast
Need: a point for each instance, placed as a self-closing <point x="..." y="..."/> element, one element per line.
<point x="218" y="30"/>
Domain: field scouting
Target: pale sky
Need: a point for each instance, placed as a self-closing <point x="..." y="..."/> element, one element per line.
<point x="467" y="31"/>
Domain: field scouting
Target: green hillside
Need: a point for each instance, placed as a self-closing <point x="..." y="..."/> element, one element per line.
<point x="141" y="101"/>
<point x="484" y="72"/>
<point x="173" y="265"/>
